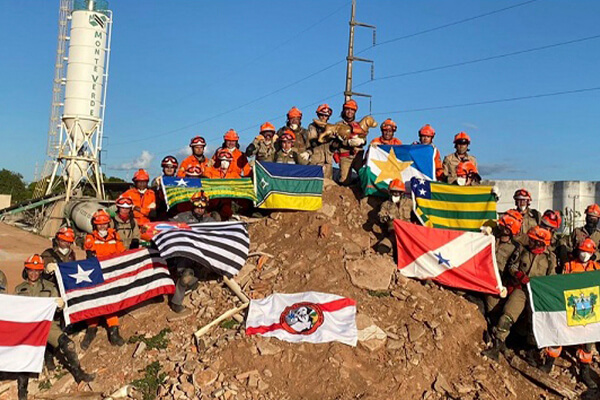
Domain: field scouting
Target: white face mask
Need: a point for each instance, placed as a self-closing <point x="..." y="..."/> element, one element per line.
<point x="103" y="233"/>
<point x="224" y="164"/>
<point x="396" y="199"/>
<point x="293" y="126"/>
<point x="584" y="256"/>
<point x="522" y="208"/>
<point x="461" y="181"/>
<point x="64" y="251"/>
<point x="142" y="191"/>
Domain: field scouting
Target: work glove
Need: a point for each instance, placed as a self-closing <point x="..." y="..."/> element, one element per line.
<point x="51" y="267"/>
<point x="496" y="193"/>
<point x="259" y="138"/>
<point x="356" y="142"/>
<point x="60" y="302"/>
<point x="486" y="230"/>
<point x="305" y="155"/>
<point x="522" y="277"/>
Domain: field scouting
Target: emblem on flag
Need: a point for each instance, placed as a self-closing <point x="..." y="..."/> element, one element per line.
<point x="581" y="304"/>
<point x="302" y="318"/>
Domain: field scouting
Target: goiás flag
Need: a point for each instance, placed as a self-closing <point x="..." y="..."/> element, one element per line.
<point x="180" y="190"/>
<point x="463" y="260"/>
<point x="220" y="246"/>
<point x="101" y="286"/>
<point x="386" y="163"/>
<point x="288" y="186"/>
<point x="24" y="326"/>
<point x="304" y="317"/>
<point x="440" y="205"/>
<point x="565" y="308"/>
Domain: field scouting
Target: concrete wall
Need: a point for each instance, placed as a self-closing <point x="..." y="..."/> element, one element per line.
<point x="4" y="200"/>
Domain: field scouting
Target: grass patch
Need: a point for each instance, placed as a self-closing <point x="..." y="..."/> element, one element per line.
<point x="45" y="384"/>
<point x="148" y="385"/>
<point x="378" y="293"/>
<point x="229" y="324"/>
<point x="158" y="341"/>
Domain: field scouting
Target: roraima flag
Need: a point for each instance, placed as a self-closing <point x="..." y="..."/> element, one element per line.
<point x="304" y="317"/>
<point x="566" y="309"/>
<point x="463" y="260"/>
<point x="96" y="287"/>
<point x="24" y="326"/>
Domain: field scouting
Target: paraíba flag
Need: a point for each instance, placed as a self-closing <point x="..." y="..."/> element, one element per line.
<point x="566" y="309"/>
<point x="24" y="327"/>
<point x="304" y="317"/>
<point x="180" y="190"/>
<point x="288" y="186"/>
<point x="440" y="205"/>
<point x="463" y="260"/>
<point x="385" y="163"/>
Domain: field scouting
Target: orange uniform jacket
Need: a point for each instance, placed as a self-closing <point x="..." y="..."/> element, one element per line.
<point x="239" y="164"/>
<point x="193" y="161"/>
<point x="216" y="173"/>
<point x="576" y="266"/>
<point x="104" y="246"/>
<point x="146" y="202"/>
<point x="393" y="141"/>
<point x="439" y="168"/>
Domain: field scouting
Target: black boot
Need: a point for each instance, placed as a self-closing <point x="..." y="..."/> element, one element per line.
<point x="49" y="359"/>
<point x="177" y="308"/>
<point x="114" y="337"/>
<point x="547" y="365"/>
<point x="22" y="383"/>
<point x="494" y="352"/>
<point x="90" y="335"/>
<point x="67" y="347"/>
<point x="584" y="375"/>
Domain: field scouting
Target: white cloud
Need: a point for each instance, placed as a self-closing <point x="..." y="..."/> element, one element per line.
<point x="141" y="162"/>
<point x="470" y="125"/>
<point x="183" y="152"/>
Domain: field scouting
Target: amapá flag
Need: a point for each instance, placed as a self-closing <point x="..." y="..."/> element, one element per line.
<point x="304" y="317"/>
<point x="440" y="205"/>
<point x="96" y="287"/>
<point x="24" y="326"/>
<point x="180" y="190"/>
<point x="565" y="309"/>
<point x="463" y="260"/>
<point x="288" y="186"/>
<point x="385" y="163"/>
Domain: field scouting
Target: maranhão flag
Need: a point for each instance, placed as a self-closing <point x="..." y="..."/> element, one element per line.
<point x="463" y="260"/>
<point x="304" y="317"/>
<point x="24" y="327"/>
<point x="565" y="309"/>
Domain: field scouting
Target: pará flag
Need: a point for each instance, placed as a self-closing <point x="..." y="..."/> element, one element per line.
<point x="463" y="260"/>
<point x="288" y="186"/>
<point x="440" y="205"/>
<point x="304" y="317"/>
<point x="565" y="308"/>
<point x="385" y="163"/>
<point x="180" y="190"/>
<point x="24" y="326"/>
<point x="96" y="287"/>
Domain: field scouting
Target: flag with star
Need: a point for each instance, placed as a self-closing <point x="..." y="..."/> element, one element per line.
<point x="386" y="163"/>
<point x="440" y="205"/>
<point x="462" y="260"/>
<point x="179" y="190"/>
<point x="96" y="287"/>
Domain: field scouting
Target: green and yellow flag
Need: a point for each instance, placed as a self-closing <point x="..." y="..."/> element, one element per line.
<point x="180" y="190"/>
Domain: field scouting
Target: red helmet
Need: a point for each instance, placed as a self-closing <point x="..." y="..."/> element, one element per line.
<point x="515" y="214"/>
<point x="551" y="219"/>
<point x="169" y="161"/>
<point x="141" y="175"/>
<point x="66" y="234"/>
<point x="397" y="185"/>
<point x="286" y="137"/>
<point x="351" y="104"/>
<point x="593" y="210"/>
<point x="465" y="168"/>
<point x="540" y="234"/>
<point x="193" y="171"/>
<point x="199" y="199"/>
<point x="231" y="135"/>
<point x="522" y="194"/>
<point x="390" y="123"/>
<point x="294" y="113"/>
<point x="124" y="202"/>
<point x="267" y="127"/>
<point x="35" y="262"/>
<point x="224" y="154"/>
<point x="197" y="141"/>
<point x="588" y="246"/>
<point x="100" y="217"/>
<point x="427" y="130"/>
<point x="462" y="137"/>
<point x="324" y="109"/>
<point x="290" y="133"/>
<point x="510" y="222"/>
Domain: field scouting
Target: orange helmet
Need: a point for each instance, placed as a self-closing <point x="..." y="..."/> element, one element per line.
<point x="169" y="161"/>
<point x="141" y="175"/>
<point x="231" y="135"/>
<point x="540" y="234"/>
<point x="351" y="104"/>
<point x="588" y="246"/>
<point x="199" y="199"/>
<point x="522" y="194"/>
<point x="427" y="130"/>
<point x="267" y="126"/>
<point x="462" y="137"/>
<point x="515" y="214"/>
<point x="551" y="219"/>
<point x="324" y="109"/>
<point x="390" y="123"/>
<point x="294" y="113"/>
<point x="510" y="222"/>
<point x="35" y="262"/>
<point x="593" y="210"/>
<point x="193" y="171"/>
<point x="197" y="141"/>
<point x="289" y="132"/>
<point x="124" y="202"/>
<point x="397" y="185"/>
<point x="100" y="217"/>
<point x="224" y="154"/>
<point x="66" y="234"/>
<point x="465" y="168"/>
<point x="286" y="137"/>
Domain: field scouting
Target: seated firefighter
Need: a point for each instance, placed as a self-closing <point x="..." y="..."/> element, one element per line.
<point x="125" y="224"/>
<point x="199" y="203"/>
<point x="35" y="286"/>
<point x="287" y="155"/>
<point x="399" y="206"/>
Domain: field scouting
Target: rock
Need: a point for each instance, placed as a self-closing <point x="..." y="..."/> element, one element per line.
<point x="328" y="210"/>
<point x="352" y="249"/>
<point x="245" y="375"/>
<point x="139" y="349"/>
<point x="269" y="274"/>
<point x="205" y="378"/>
<point x="441" y="385"/>
<point x="266" y="348"/>
<point x="372" y="273"/>
<point x="324" y="232"/>
<point x="173" y="316"/>
<point x="262" y="385"/>
<point x="415" y="332"/>
<point x="267" y="373"/>
<point x="218" y="393"/>
<point x="253" y="381"/>
<point x="370" y="335"/>
<point x="394" y="344"/>
<point x="188" y="389"/>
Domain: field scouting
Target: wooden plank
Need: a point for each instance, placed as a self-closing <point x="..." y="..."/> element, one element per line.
<point x="542" y="378"/>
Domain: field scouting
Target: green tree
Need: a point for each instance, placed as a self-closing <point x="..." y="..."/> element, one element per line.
<point x="12" y="183"/>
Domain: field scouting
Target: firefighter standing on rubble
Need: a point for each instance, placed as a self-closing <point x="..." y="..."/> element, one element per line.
<point x="426" y="135"/>
<point x="351" y="151"/>
<point x="321" y="153"/>
<point x="300" y="134"/>
<point x="197" y="158"/>
<point x="451" y="161"/>
<point x="126" y="226"/>
<point x="531" y="216"/>
<point x="388" y="128"/>
<point x="263" y="146"/>
<point x="144" y="199"/>
<point x="399" y="206"/>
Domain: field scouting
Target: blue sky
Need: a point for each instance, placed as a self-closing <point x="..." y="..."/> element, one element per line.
<point x="178" y="68"/>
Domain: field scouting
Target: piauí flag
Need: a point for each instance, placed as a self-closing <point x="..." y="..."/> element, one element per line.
<point x="566" y="309"/>
<point x="440" y="205"/>
<point x="304" y="317"/>
<point x="24" y="326"/>
<point x="180" y="190"/>
<point x="288" y="186"/>
<point x="385" y="163"/>
<point x="463" y="260"/>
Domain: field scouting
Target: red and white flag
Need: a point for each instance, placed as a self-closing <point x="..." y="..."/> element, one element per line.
<point x="463" y="260"/>
<point x="24" y="327"/>
<point x="304" y="317"/>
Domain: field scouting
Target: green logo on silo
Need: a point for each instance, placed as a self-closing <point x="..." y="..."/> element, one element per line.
<point x="98" y="20"/>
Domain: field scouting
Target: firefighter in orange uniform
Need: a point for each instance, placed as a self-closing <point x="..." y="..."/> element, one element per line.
<point x="388" y="128"/>
<point x="451" y="161"/>
<point x="239" y="162"/>
<point x="426" y="135"/>
<point x="144" y="199"/>
<point x="467" y="174"/>
<point x="197" y="158"/>
<point x="223" y="169"/>
<point x="103" y="242"/>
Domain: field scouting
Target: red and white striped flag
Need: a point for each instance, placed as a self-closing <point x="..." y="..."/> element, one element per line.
<point x="24" y="327"/>
<point x="463" y="260"/>
<point x="304" y="317"/>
